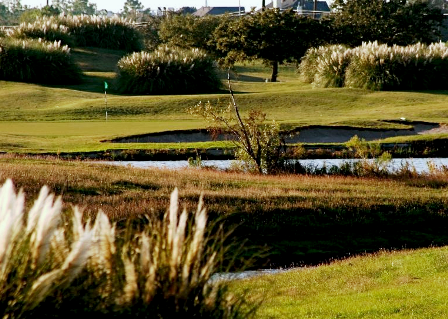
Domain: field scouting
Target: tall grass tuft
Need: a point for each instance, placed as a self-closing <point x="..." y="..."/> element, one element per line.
<point x="37" y="61"/>
<point x="325" y="66"/>
<point x="331" y="65"/>
<point x="378" y="66"/>
<point x="45" y="28"/>
<point x="54" y="265"/>
<point x="103" y="32"/>
<point x="168" y="70"/>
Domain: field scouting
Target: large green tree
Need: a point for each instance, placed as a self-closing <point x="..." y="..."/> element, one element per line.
<point x="399" y="22"/>
<point x="189" y="31"/>
<point x="82" y="7"/>
<point x="272" y="35"/>
<point x="131" y="8"/>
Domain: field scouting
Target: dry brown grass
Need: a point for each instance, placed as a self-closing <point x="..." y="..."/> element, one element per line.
<point x="299" y="219"/>
<point x="122" y="192"/>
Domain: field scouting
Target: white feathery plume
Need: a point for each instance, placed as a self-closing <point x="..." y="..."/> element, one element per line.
<point x="33" y="214"/>
<point x="172" y="217"/>
<point x="77" y="226"/>
<point x="42" y="286"/>
<point x="77" y="258"/>
<point x="11" y="218"/>
<point x="131" y="287"/>
<point x="47" y="223"/>
<point x="195" y="247"/>
<point x="145" y="255"/>
<point x="178" y="243"/>
<point x="150" y="284"/>
<point x="103" y="242"/>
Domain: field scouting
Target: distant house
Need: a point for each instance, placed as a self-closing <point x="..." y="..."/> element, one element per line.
<point x="304" y="7"/>
<point x="215" y="11"/>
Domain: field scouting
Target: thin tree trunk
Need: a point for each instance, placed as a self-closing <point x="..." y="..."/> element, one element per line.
<point x="263" y="5"/>
<point x="274" y="71"/>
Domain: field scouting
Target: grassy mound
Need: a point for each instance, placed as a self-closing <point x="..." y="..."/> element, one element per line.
<point x="406" y="284"/>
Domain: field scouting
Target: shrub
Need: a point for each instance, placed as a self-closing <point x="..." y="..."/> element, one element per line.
<point x="37" y="61"/>
<point x="44" y="28"/>
<point x="168" y="70"/>
<point x="378" y="67"/>
<point x="331" y="65"/>
<point x="308" y="64"/>
<point x="52" y="265"/>
<point x="102" y="32"/>
<point x="259" y="147"/>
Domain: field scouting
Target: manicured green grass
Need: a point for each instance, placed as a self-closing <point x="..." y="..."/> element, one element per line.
<point x="405" y="284"/>
<point x="81" y="108"/>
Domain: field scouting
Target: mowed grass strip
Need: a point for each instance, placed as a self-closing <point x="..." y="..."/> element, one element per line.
<point x="405" y="284"/>
<point x="84" y="136"/>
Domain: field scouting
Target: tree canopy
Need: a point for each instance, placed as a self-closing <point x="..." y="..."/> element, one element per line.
<point x="131" y="7"/>
<point x="189" y="31"/>
<point x="400" y="22"/>
<point x="272" y="35"/>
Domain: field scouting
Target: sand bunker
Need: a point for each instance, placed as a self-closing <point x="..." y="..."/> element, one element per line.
<point x="310" y="134"/>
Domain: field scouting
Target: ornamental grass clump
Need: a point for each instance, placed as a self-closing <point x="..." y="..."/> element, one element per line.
<point x="46" y="28"/>
<point x="168" y="70"/>
<point x="55" y="264"/>
<point x="331" y="65"/>
<point x="328" y="56"/>
<point x="378" y="66"/>
<point x="37" y="61"/>
<point x="103" y="32"/>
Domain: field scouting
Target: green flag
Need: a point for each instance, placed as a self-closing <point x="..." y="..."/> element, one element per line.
<point x="106" y="86"/>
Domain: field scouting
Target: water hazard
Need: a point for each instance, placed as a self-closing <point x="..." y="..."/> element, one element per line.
<point x="421" y="165"/>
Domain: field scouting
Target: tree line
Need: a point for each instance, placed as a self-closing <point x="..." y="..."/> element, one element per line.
<point x="271" y="35"/>
<point x="276" y="36"/>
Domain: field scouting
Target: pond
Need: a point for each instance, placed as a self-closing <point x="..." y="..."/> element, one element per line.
<point x="420" y="164"/>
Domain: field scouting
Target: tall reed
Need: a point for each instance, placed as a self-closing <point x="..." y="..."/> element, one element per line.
<point x="53" y="264"/>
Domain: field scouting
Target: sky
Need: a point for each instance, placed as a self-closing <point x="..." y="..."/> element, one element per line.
<point x="117" y="5"/>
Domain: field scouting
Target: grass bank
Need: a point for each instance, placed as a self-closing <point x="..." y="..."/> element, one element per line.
<point x="38" y="118"/>
<point x="405" y="284"/>
<point x="298" y="219"/>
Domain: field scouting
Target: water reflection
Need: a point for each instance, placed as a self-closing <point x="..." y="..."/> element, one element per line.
<point x="420" y="164"/>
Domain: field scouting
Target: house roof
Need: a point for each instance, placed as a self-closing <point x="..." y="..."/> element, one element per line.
<point x="217" y="10"/>
<point x="306" y="5"/>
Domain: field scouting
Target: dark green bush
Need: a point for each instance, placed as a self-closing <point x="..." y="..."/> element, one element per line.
<point x="37" y="61"/>
<point x="167" y="70"/>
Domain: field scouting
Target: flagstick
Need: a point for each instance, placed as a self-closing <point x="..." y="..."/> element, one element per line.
<point x="105" y="101"/>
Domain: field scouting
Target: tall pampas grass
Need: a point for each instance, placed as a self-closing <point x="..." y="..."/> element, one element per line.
<point x="53" y="265"/>
<point x="46" y="28"/>
<point x="377" y="66"/>
<point x="37" y="61"/>
<point x="168" y="70"/>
